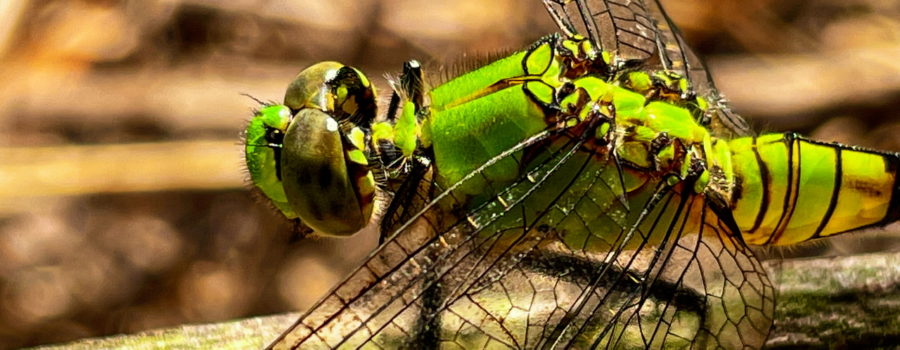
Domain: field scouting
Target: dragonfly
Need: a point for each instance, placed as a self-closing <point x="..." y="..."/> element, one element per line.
<point x="592" y="190"/>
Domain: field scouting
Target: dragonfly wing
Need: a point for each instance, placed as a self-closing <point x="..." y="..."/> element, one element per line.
<point x="695" y="287"/>
<point x="641" y="33"/>
<point x="549" y="259"/>
<point x="623" y="27"/>
<point x="676" y="55"/>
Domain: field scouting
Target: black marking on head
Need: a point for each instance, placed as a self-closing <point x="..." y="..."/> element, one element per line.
<point x="362" y="95"/>
<point x="275" y="137"/>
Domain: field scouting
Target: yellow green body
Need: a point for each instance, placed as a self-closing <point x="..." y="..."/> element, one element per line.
<point x="539" y="157"/>
<point x="793" y="189"/>
<point x="781" y="188"/>
<point x="590" y="191"/>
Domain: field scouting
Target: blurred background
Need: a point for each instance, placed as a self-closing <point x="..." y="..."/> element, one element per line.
<point x="123" y="205"/>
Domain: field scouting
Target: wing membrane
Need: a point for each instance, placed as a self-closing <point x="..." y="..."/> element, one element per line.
<point x="423" y="250"/>
<point x="676" y="55"/>
<point x="552" y="260"/>
<point x="623" y="27"/>
<point x="641" y="32"/>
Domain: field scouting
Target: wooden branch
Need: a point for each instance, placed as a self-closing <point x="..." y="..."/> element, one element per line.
<point x="823" y="302"/>
<point x="841" y="302"/>
<point x="251" y="333"/>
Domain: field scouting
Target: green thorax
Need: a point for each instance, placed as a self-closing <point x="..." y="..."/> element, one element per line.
<point x="638" y="119"/>
<point x="642" y="130"/>
<point x="551" y="87"/>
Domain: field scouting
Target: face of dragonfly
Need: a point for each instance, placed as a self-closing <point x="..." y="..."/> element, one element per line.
<point x="307" y="155"/>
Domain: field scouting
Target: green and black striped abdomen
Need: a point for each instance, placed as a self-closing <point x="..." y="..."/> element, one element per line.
<point x="790" y="189"/>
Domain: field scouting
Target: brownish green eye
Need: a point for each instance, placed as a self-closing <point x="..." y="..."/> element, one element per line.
<point x="324" y="185"/>
<point x="308" y="155"/>
<point x="343" y="91"/>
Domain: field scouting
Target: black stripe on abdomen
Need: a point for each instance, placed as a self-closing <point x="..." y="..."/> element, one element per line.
<point x="835" y="192"/>
<point x="766" y="184"/>
<point x="893" y="213"/>
<point x="791" y="189"/>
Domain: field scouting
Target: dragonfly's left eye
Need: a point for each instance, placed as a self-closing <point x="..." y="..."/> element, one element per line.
<point x="326" y="180"/>
<point x="307" y="155"/>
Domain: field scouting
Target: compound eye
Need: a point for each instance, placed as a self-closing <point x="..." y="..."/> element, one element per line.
<point x="342" y="91"/>
<point x="326" y="180"/>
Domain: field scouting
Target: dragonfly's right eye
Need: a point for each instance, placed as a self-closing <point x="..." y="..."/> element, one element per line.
<point x="341" y="91"/>
<point x="325" y="178"/>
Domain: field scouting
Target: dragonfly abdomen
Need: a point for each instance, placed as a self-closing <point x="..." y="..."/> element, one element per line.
<point x="790" y="189"/>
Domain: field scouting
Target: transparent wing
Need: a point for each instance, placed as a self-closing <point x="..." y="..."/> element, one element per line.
<point x="676" y="55"/>
<point x="622" y="27"/>
<point x="641" y="31"/>
<point x="552" y="259"/>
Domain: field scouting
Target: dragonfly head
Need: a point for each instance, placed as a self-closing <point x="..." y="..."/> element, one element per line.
<point x="308" y="155"/>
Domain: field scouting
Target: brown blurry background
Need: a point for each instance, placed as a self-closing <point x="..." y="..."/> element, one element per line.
<point x="122" y="203"/>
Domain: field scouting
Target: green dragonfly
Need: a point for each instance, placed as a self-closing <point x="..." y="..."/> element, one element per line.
<point x="591" y="190"/>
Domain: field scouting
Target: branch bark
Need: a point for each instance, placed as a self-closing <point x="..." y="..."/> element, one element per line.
<point x="841" y="302"/>
<point x="823" y="302"/>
